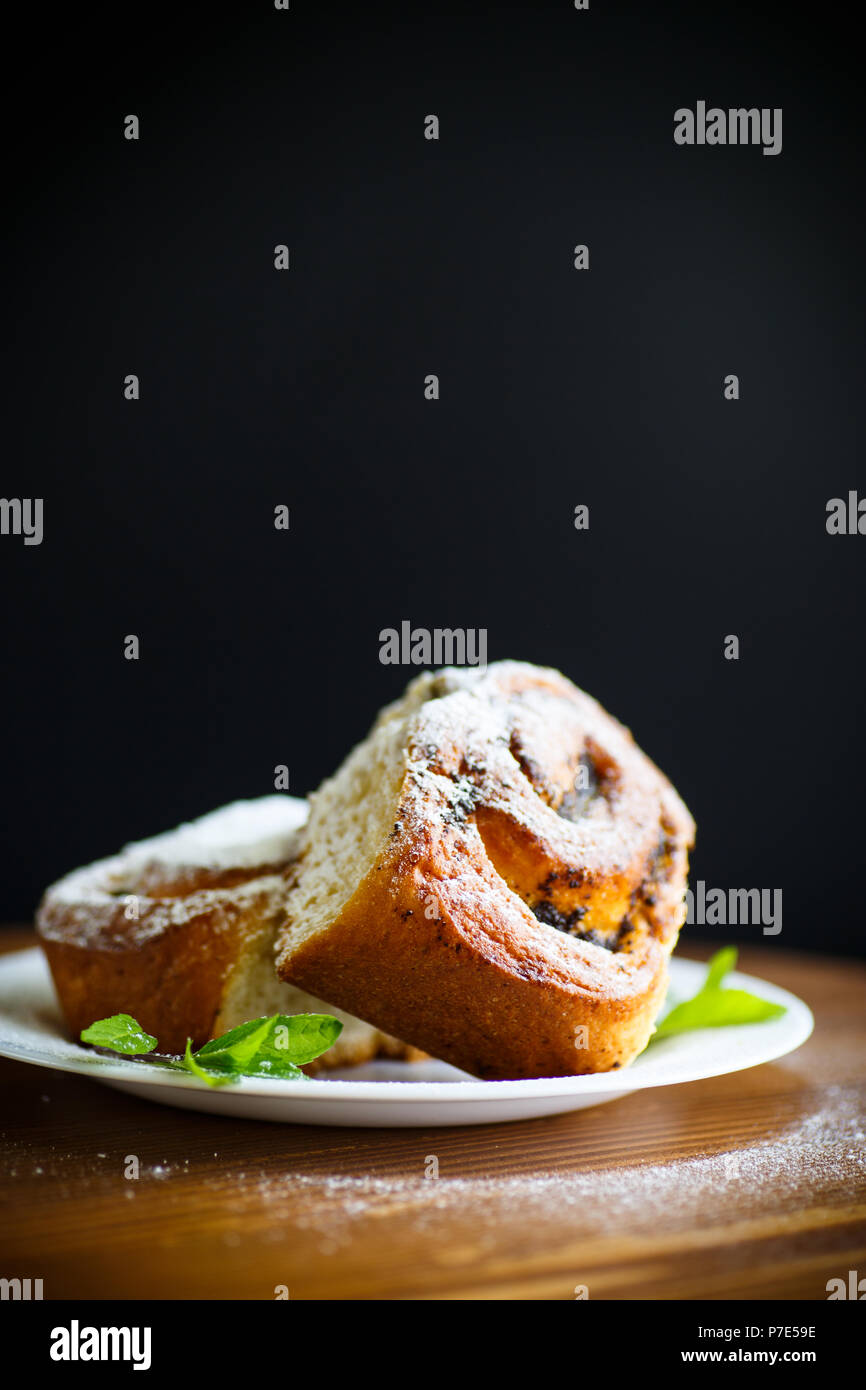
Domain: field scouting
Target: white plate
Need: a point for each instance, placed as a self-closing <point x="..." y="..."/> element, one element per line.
<point x="398" y="1093"/>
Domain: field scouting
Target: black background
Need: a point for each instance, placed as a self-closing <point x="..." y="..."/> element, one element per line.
<point x="409" y="257"/>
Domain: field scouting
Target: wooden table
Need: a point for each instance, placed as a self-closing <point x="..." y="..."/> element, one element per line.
<point x="747" y="1186"/>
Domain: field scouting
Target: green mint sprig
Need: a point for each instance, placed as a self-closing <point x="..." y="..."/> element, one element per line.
<point x="120" y="1033"/>
<point x="716" y="1007"/>
<point x="272" y="1047"/>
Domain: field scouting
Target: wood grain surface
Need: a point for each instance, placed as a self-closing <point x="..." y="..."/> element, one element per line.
<point x="746" y="1186"/>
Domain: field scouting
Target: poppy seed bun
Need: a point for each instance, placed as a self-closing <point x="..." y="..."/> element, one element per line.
<point x="178" y="931"/>
<point x="497" y="874"/>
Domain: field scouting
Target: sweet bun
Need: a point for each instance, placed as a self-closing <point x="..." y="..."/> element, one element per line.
<point x="497" y="874"/>
<point x="178" y="931"/>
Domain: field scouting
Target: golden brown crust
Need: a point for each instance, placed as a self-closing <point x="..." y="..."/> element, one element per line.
<point x="165" y="939"/>
<point x="173" y="982"/>
<point x="515" y="922"/>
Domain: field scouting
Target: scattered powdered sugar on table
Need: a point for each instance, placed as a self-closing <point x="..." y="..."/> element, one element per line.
<point x="819" y="1161"/>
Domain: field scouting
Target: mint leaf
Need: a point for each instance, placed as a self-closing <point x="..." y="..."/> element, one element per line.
<point x="120" y="1033"/>
<point x="718" y="966"/>
<point x="192" y="1065"/>
<point x="715" y="1007"/>
<point x="300" y="1038"/>
<point x="275" y="1046"/>
<point x="239" y="1046"/>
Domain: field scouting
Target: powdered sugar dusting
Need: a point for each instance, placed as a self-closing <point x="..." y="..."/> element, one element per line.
<point x="89" y="914"/>
<point x="819" y="1161"/>
<point x="89" y="902"/>
<point x="240" y="835"/>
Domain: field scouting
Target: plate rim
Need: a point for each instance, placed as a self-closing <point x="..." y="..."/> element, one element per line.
<point x="798" y="1024"/>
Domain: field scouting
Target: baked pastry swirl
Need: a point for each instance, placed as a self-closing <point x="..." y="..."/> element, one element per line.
<point x="178" y="931"/>
<point x="497" y="873"/>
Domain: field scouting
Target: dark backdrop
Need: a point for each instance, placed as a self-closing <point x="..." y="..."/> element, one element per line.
<point x="410" y="257"/>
